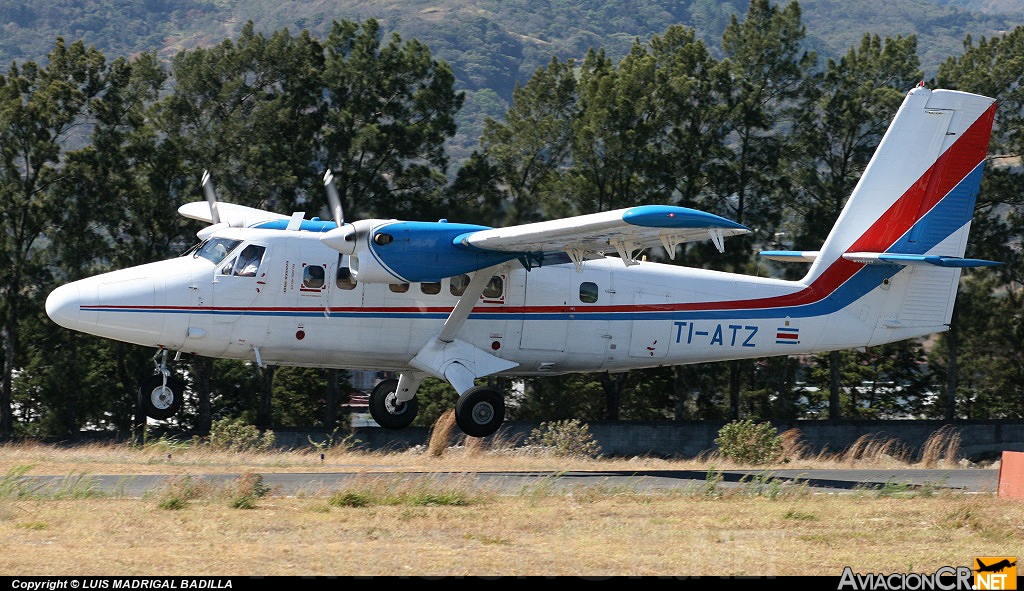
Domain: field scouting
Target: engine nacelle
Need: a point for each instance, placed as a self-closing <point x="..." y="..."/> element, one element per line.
<point x="410" y="252"/>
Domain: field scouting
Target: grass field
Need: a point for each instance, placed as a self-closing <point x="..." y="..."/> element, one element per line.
<point x="381" y="525"/>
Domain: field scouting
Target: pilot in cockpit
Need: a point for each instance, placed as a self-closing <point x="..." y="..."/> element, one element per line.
<point x="249" y="261"/>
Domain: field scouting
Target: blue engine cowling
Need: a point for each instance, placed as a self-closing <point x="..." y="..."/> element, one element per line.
<point x="412" y="252"/>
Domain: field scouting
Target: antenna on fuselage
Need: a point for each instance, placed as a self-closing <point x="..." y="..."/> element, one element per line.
<point x="211" y="197"/>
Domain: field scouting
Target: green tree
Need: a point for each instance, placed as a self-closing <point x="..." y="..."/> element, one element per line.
<point x="840" y="124"/>
<point x="389" y="108"/>
<point x="769" y="70"/>
<point x="41" y="109"/>
<point x="300" y="397"/>
<point x="250" y="111"/>
<point x="530" y="147"/>
<point x="981" y="353"/>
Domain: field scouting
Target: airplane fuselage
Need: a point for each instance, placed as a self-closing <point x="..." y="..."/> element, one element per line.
<point x="302" y="308"/>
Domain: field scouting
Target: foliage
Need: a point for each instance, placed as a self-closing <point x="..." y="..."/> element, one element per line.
<point x="435" y="397"/>
<point x="246" y="490"/>
<point x="179" y="490"/>
<point x="748" y="442"/>
<point x="606" y="107"/>
<point x="237" y="435"/>
<point x="569" y="438"/>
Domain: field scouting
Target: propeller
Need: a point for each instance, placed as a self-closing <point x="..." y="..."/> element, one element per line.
<point x="333" y="199"/>
<point x="343" y="238"/>
<point x="211" y="197"/>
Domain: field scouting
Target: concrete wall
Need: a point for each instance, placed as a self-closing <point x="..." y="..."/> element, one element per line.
<point x="979" y="440"/>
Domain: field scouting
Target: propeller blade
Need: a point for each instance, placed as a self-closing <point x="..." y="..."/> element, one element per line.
<point x="211" y="197"/>
<point x="333" y="199"/>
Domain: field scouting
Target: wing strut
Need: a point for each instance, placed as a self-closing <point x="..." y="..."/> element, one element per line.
<point x="451" y="359"/>
<point x="466" y="304"/>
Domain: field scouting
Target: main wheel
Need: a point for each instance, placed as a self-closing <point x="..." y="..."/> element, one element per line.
<point x="480" y="411"/>
<point x="159" y="401"/>
<point x="387" y="411"/>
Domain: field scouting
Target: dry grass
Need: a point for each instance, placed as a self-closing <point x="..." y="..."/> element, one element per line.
<point x="941" y="449"/>
<point x="447" y="452"/>
<point x="441" y="433"/>
<point x="380" y="527"/>
<point x="417" y="524"/>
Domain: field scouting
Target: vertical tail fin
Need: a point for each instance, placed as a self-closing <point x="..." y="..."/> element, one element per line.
<point x="916" y="196"/>
<point x="896" y="251"/>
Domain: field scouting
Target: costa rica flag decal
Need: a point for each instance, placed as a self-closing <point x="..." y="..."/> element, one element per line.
<point x="785" y="335"/>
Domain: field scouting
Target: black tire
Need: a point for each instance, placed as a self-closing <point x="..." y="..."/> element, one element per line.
<point x="161" y="402"/>
<point x="480" y="411"/>
<point x="385" y="410"/>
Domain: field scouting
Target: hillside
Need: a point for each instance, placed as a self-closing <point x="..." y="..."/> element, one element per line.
<point x="491" y="44"/>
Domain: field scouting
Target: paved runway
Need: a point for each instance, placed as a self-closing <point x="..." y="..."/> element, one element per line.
<point x="830" y="481"/>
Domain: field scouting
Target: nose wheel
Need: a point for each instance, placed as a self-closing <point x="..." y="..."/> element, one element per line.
<point x="387" y="410"/>
<point x="162" y="400"/>
<point x="480" y="411"/>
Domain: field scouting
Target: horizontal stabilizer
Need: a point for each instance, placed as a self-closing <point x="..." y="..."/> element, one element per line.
<point x="790" y="256"/>
<point x="887" y="258"/>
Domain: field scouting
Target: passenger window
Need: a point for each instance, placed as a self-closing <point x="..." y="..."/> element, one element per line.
<point x="398" y="287"/>
<point x="588" y="292"/>
<point x="313" y="277"/>
<point x="344" y="277"/>
<point x="458" y="284"/>
<point x="430" y="288"/>
<point x="495" y="287"/>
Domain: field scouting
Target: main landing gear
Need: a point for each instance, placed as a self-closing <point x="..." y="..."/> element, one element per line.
<point x="479" y="412"/>
<point x="163" y="394"/>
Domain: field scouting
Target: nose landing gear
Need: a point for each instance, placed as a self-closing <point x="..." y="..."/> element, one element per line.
<point x="387" y="410"/>
<point x="162" y="394"/>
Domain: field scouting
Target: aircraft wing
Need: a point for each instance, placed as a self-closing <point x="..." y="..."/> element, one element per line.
<point x="626" y="231"/>
<point x="238" y="216"/>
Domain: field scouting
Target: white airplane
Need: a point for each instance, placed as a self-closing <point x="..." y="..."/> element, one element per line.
<point x="460" y="302"/>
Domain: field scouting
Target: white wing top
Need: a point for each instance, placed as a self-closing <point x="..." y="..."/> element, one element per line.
<point x="625" y="231"/>
<point x="237" y="216"/>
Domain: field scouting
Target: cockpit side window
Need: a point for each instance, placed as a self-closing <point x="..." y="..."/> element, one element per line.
<point x="249" y="261"/>
<point x="215" y="249"/>
<point x="246" y="264"/>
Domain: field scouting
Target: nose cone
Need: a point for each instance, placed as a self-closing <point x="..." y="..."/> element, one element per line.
<point x="63" y="306"/>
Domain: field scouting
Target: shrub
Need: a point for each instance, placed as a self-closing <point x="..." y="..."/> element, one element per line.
<point x="569" y="438"/>
<point x="748" y="442"/>
<point x="246" y="490"/>
<point x="237" y="435"/>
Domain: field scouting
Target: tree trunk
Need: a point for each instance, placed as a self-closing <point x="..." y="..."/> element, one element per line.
<point x="6" y="411"/>
<point x="263" y="416"/>
<point x="613" y="385"/>
<point x="734" y="390"/>
<point x="951" y="369"/>
<point x="835" y="383"/>
<point x="333" y="398"/>
<point x="203" y="368"/>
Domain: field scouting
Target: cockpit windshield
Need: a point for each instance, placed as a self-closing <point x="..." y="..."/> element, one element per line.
<point x="215" y="249"/>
